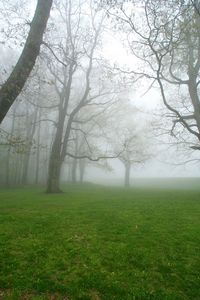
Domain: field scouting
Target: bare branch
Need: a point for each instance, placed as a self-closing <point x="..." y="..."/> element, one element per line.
<point x="93" y="159"/>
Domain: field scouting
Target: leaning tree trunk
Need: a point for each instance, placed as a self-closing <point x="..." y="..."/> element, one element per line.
<point x="17" y="79"/>
<point x="127" y="174"/>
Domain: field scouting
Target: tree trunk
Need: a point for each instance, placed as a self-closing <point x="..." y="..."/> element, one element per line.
<point x="55" y="163"/>
<point x="18" y="173"/>
<point x="53" y="183"/>
<point x="17" y="79"/>
<point x="82" y="165"/>
<point x="9" y="149"/>
<point x="74" y="170"/>
<point x="31" y="127"/>
<point x="37" y="169"/>
<point x="25" y="167"/>
<point x="8" y="167"/>
<point x="127" y="174"/>
<point x="75" y="161"/>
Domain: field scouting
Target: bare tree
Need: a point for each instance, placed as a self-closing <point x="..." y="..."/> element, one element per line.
<point x="73" y="74"/>
<point x="167" y="43"/>
<point x="131" y="134"/>
<point x="134" y="153"/>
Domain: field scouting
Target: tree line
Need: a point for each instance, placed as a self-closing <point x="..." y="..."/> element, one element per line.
<point x="70" y="98"/>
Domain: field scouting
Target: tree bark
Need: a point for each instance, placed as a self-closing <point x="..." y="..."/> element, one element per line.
<point x="127" y="174"/>
<point x="17" y="79"/>
<point x="55" y="162"/>
<point x="53" y="183"/>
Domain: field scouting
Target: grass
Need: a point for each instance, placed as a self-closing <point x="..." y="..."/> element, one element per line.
<point x="99" y="243"/>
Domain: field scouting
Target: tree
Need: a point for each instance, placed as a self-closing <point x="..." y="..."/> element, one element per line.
<point x="75" y="74"/>
<point x="25" y="136"/>
<point x="18" y="77"/>
<point x="167" y="43"/>
<point x="134" y="153"/>
<point x="131" y="135"/>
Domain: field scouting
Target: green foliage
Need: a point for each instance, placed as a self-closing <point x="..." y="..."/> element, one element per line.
<point x="100" y="243"/>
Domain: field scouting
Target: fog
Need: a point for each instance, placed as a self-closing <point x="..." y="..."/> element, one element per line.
<point x="109" y="100"/>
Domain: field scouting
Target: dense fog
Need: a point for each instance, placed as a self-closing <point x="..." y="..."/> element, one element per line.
<point x="113" y="95"/>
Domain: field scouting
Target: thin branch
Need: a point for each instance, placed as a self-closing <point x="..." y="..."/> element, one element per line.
<point x="93" y="159"/>
<point x="56" y="57"/>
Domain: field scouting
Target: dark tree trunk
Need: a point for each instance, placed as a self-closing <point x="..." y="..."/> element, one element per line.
<point x="17" y="79"/>
<point x="55" y="163"/>
<point x="127" y="174"/>
<point x="53" y="183"/>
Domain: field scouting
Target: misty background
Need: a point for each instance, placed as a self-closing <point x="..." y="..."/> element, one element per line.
<point x="122" y="109"/>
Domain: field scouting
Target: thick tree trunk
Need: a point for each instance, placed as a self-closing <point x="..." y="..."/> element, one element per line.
<point x="53" y="183"/>
<point x="17" y="79"/>
<point x="127" y="175"/>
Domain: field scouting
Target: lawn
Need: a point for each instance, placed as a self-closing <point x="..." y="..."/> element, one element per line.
<point x="94" y="242"/>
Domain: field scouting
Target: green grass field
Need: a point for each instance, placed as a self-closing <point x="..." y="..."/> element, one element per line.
<point x="97" y="243"/>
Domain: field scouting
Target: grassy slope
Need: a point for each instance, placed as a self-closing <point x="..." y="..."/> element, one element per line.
<point x="100" y="243"/>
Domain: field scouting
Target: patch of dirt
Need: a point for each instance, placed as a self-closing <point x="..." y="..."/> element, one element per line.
<point x="94" y="295"/>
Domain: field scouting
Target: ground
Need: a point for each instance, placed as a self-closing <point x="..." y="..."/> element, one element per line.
<point x="94" y="242"/>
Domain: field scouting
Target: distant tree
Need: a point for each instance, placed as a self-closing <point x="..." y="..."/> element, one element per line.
<point x="134" y="153"/>
<point x="22" y="136"/>
<point x="132" y="134"/>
